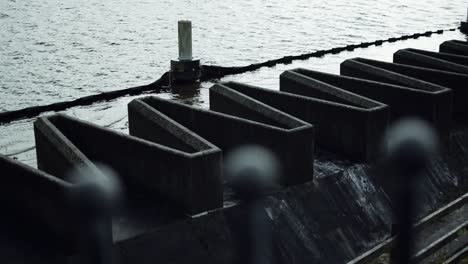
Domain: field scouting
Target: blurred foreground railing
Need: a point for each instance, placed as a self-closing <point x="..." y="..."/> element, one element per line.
<point x="386" y="245"/>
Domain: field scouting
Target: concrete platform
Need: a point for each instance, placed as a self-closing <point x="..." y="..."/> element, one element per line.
<point x="188" y="180"/>
<point x="416" y="78"/>
<point x="244" y="121"/>
<point x="432" y="60"/>
<point x="456" y="47"/>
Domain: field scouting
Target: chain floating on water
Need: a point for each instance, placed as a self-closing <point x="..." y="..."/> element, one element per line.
<point x="209" y="72"/>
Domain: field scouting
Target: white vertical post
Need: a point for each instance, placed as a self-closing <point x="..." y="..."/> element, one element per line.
<point x="185" y="40"/>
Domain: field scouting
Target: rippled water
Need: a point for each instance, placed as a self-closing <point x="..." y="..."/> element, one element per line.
<point x="17" y="138"/>
<point x="59" y="50"/>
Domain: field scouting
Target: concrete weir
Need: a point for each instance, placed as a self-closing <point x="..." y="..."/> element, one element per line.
<point x="330" y="210"/>
<point x="429" y="81"/>
<point x="235" y="120"/>
<point x="432" y="60"/>
<point x="456" y="47"/>
<point x="353" y="125"/>
<point x="188" y="176"/>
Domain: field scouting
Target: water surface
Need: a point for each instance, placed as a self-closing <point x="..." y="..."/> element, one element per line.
<point x="54" y="50"/>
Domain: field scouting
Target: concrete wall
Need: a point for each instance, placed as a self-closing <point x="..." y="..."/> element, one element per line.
<point x="458" y="59"/>
<point x="204" y="239"/>
<point x="149" y="124"/>
<point x="436" y="81"/>
<point x="410" y="77"/>
<point x="40" y="199"/>
<point x="229" y="101"/>
<point x="297" y="151"/>
<point x="151" y="171"/>
<point x="55" y="154"/>
<point x="401" y="99"/>
<point x="229" y="132"/>
<point x="441" y="61"/>
<point x="346" y="123"/>
<point x="454" y="47"/>
<point x="333" y="131"/>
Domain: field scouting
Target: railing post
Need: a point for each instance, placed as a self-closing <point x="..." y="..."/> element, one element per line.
<point x="410" y="146"/>
<point x="95" y="196"/>
<point x="252" y="171"/>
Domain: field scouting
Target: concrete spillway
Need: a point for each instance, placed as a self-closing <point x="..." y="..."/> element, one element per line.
<point x="326" y="130"/>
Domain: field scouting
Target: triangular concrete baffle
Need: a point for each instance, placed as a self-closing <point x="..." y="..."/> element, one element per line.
<point x="185" y="171"/>
<point x="432" y="81"/>
<point x="330" y="118"/>
<point x="432" y="60"/>
<point x="43" y="206"/>
<point x="239" y="121"/>
<point x="456" y="47"/>
<point x="400" y="98"/>
<point x="347" y="123"/>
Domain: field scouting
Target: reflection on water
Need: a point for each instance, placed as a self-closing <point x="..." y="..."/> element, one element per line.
<point x="188" y="93"/>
